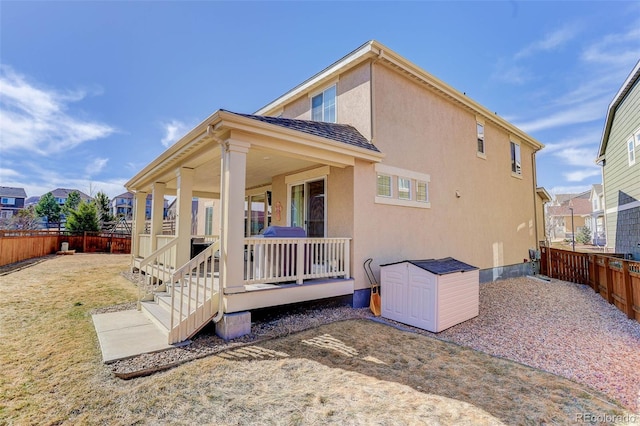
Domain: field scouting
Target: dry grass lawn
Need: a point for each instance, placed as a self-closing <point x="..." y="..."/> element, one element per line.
<point x="352" y="372"/>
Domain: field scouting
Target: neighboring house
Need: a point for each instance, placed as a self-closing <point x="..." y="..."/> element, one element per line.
<point x="373" y="157"/>
<point x="619" y="155"/>
<point x="61" y="195"/>
<point x="11" y="200"/>
<point x="567" y="211"/>
<point x="595" y="220"/>
<point x="122" y="206"/>
<point x="542" y="199"/>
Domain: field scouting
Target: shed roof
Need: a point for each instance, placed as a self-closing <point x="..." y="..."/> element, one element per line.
<point x="447" y="265"/>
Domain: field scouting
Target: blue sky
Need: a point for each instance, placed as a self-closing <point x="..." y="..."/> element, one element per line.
<point x="91" y="92"/>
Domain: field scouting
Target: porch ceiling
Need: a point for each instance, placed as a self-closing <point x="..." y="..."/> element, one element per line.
<point x="273" y="151"/>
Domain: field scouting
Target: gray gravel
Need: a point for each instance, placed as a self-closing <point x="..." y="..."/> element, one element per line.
<point x="559" y="327"/>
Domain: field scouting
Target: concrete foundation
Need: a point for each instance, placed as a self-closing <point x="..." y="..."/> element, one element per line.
<point x="234" y="325"/>
<point x="506" y="272"/>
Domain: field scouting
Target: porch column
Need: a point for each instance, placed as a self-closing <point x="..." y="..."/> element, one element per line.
<point x="139" y="204"/>
<point x="184" y="197"/>
<point x="157" y="212"/>
<point x="232" y="190"/>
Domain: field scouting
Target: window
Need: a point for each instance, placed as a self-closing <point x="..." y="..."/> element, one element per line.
<point x="412" y="188"/>
<point x="208" y="220"/>
<point x="404" y="189"/>
<point x="637" y="137"/>
<point x="323" y="106"/>
<point x="7" y="200"/>
<point x="384" y="185"/>
<point x="516" y="165"/>
<point x="422" y="193"/>
<point x="631" y="152"/>
<point x="480" y="132"/>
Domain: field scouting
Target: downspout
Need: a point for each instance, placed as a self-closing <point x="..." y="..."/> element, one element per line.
<point x="222" y="272"/>
<point x="535" y="200"/>
<point x="604" y="208"/>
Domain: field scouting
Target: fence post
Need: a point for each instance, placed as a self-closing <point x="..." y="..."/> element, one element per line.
<point x="84" y="242"/>
<point x="609" y="281"/>
<point x="628" y="291"/>
<point x="300" y="261"/>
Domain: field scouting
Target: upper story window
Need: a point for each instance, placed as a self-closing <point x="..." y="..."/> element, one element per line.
<point x="422" y="191"/>
<point x="480" y="133"/>
<point x="8" y="201"/>
<point x="631" y="151"/>
<point x="516" y="164"/>
<point x="323" y="106"/>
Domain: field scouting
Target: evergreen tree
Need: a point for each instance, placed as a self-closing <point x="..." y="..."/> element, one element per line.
<point x="72" y="203"/>
<point x="49" y="209"/>
<point x="84" y="218"/>
<point x="584" y="236"/>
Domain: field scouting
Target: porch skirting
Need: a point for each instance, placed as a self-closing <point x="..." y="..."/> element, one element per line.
<point x="284" y="294"/>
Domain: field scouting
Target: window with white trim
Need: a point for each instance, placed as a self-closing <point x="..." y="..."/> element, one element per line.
<point x="637" y="137"/>
<point x="8" y="200"/>
<point x="404" y="188"/>
<point x="323" y="106"/>
<point x="516" y="165"/>
<point x="480" y="134"/>
<point x="631" y="151"/>
<point x="411" y="188"/>
<point x="422" y="191"/>
<point x="384" y="185"/>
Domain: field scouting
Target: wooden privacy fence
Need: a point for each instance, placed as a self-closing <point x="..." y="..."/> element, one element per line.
<point x="617" y="280"/>
<point x="21" y="245"/>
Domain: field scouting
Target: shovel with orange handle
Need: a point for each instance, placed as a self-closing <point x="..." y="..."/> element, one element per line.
<point x="375" y="304"/>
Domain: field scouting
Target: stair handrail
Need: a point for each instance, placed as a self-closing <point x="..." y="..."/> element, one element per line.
<point x="146" y="280"/>
<point x="179" y="329"/>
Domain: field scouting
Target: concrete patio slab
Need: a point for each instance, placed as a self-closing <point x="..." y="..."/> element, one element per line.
<point x="128" y="333"/>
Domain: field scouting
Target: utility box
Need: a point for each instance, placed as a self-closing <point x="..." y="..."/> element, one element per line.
<point x="432" y="294"/>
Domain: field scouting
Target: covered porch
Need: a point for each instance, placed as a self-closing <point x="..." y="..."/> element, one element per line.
<point x="259" y="172"/>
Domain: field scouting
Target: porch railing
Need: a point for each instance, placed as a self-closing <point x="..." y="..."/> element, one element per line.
<point x="194" y="299"/>
<point x="156" y="269"/>
<point x="144" y="249"/>
<point x="277" y="260"/>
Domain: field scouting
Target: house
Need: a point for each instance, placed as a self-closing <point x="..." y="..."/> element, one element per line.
<point x="11" y="200"/>
<point x="372" y="157"/>
<point x="618" y="155"/>
<point x="122" y="206"/>
<point x="542" y="199"/>
<point x="595" y="220"/>
<point x="567" y="214"/>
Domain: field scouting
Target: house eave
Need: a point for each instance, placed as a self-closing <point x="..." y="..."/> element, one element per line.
<point x="377" y="51"/>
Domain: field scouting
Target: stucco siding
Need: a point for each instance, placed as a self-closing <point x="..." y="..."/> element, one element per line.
<point x="353" y="101"/>
<point x="622" y="181"/>
<point x="480" y="214"/>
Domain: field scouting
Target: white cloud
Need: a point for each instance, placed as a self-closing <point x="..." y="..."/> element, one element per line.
<point x="581" y="157"/>
<point x="173" y="130"/>
<point x="580" y="175"/>
<point x="7" y="173"/>
<point x="96" y="166"/>
<point x="36" y="119"/>
<point x="584" y="113"/>
<point x="551" y="41"/>
<point x="619" y="50"/>
<point x="576" y="189"/>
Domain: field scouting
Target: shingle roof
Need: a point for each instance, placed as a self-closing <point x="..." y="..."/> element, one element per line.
<point x="580" y="206"/>
<point x="338" y="132"/>
<point x="64" y="193"/>
<point x="8" y="191"/>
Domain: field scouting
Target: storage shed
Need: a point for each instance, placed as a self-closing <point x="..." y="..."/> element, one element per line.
<point x="430" y="294"/>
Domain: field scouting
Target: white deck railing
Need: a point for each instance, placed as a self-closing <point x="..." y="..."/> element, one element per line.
<point x="276" y="260"/>
<point x="156" y="269"/>
<point x="195" y="296"/>
<point x="144" y="249"/>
